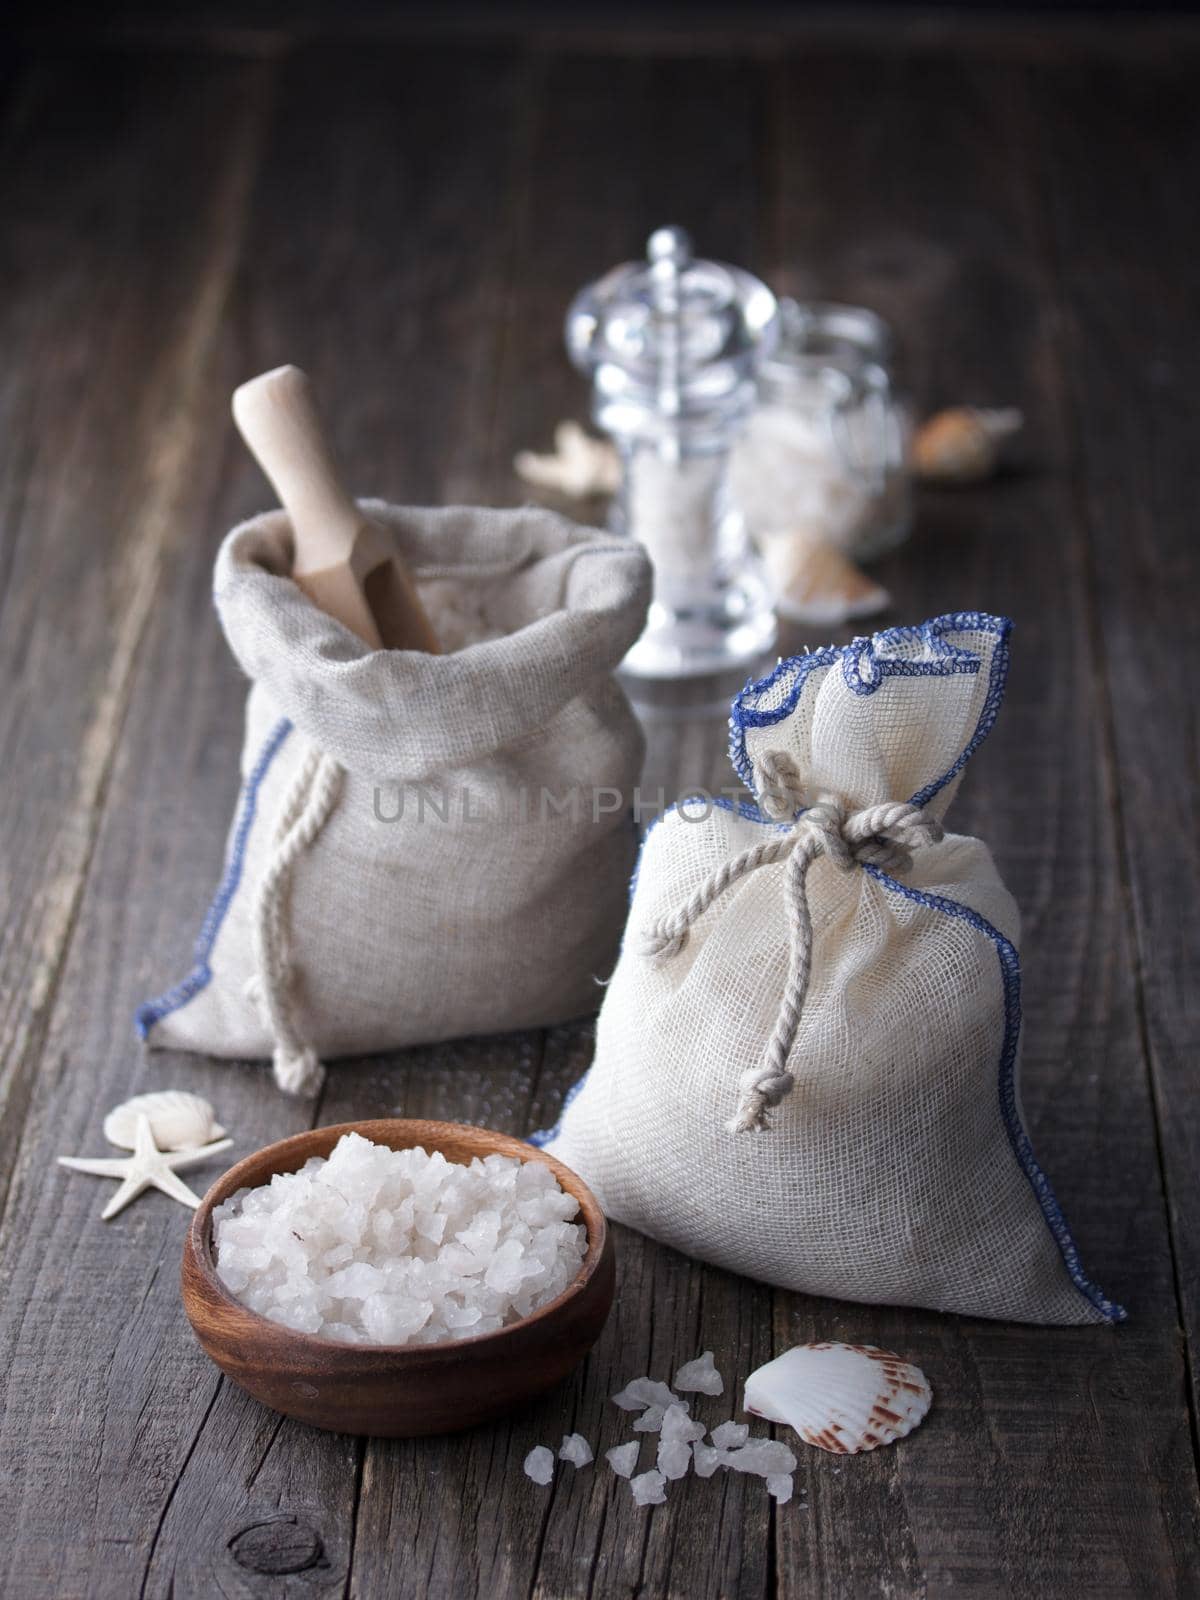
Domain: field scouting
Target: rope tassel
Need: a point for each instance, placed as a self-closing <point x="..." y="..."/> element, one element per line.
<point x="883" y="835"/>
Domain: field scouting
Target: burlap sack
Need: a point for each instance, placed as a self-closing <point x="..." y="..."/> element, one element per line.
<point x="806" y="1060"/>
<point x="425" y="846"/>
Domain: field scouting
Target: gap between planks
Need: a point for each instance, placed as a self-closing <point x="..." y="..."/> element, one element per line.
<point x="1039" y="131"/>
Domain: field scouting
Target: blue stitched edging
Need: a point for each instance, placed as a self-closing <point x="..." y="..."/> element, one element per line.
<point x="1010" y="976"/>
<point x="865" y="664"/>
<point x="153" y="1011"/>
<point x="544" y="1135"/>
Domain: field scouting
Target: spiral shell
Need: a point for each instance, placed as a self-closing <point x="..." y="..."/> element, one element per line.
<point x="963" y="445"/>
<point x="845" y="1398"/>
<point x="178" y="1120"/>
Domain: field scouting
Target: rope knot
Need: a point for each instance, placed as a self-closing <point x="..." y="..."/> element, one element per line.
<point x="883" y="836"/>
<point x="780" y="787"/>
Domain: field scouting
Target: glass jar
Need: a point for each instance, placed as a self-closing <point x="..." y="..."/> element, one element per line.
<point x="673" y="346"/>
<point x="825" y="453"/>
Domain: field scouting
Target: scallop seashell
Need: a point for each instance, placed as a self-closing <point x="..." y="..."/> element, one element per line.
<point x="845" y="1398"/>
<point x="963" y="445"/>
<point x="178" y="1120"/>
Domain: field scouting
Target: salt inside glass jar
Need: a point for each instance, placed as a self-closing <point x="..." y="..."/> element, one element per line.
<point x="672" y="346"/>
<point x="825" y="453"/>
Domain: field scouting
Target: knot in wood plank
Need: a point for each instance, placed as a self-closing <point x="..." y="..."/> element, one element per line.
<point x="277" y="1546"/>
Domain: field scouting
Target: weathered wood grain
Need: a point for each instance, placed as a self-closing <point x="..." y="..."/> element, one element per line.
<point x="396" y="325"/>
<point x="105" y="1392"/>
<point x="898" y="188"/>
<point x="420" y="218"/>
<point x="121" y="227"/>
<point x="1119" y="146"/>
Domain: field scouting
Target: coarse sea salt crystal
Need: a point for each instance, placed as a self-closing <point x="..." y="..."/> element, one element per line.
<point x="728" y="1435"/>
<point x="650" y="1421"/>
<point x="380" y="1246"/>
<point x="674" y="1457"/>
<point x="575" y="1449"/>
<point x="649" y="1489"/>
<point x="539" y="1464"/>
<point x="640" y="1392"/>
<point x="705" y="1459"/>
<point x="765" y="1458"/>
<point x="779" y="1487"/>
<point x="677" y="1424"/>
<point x="622" y="1458"/>
<point x="699" y="1376"/>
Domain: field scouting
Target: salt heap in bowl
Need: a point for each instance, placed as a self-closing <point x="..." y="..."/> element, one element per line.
<point x="399" y="1247"/>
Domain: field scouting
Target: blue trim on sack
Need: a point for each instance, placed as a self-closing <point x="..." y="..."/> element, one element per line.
<point x="153" y="1011"/>
<point x="543" y="1136"/>
<point x="1022" y="1147"/>
<point x="865" y="664"/>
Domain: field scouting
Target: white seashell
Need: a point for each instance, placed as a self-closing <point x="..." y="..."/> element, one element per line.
<point x="845" y="1398"/>
<point x="816" y="583"/>
<point x="178" y="1120"/>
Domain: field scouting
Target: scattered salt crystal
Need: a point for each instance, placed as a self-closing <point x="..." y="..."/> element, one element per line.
<point x="649" y="1489"/>
<point x="700" y="1376"/>
<point x="706" y="1459"/>
<point x="539" y="1464"/>
<point x="779" y="1486"/>
<point x="378" y="1246"/>
<point x="674" y="1457"/>
<point x="641" y="1392"/>
<point x="622" y="1458"/>
<point x="650" y="1421"/>
<point x="765" y="1458"/>
<point x="730" y="1434"/>
<point x="676" y="1424"/>
<point x="575" y="1449"/>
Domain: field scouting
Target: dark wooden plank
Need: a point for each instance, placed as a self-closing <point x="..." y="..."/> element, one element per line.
<point x="386" y="285"/>
<point x="1054" y="1460"/>
<point x="120" y="230"/>
<point x="127" y="247"/>
<point x="591" y="201"/>
<point x="1119" y="145"/>
<point x="898" y="188"/>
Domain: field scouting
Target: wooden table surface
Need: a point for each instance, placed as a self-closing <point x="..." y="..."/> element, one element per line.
<point x="407" y="217"/>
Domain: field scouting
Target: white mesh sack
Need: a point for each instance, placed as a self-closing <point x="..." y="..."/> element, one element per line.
<point x="806" y="1060"/>
<point x="426" y="846"/>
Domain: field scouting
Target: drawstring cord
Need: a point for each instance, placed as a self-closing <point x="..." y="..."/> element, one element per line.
<point x="883" y="836"/>
<point x="310" y="799"/>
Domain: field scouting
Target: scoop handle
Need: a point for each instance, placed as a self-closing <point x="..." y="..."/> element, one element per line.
<point x="277" y="416"/>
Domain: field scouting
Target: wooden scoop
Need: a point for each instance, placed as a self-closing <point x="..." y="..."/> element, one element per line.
<point x="345" y="563"/>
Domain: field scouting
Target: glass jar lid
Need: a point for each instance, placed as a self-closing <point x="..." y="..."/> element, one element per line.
<point x="820" y="336"/>
<point x="672" y="343"/>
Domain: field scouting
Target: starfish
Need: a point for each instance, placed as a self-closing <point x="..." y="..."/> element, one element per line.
<point x="147" y="1167"/>
<point x="579" y="465"/>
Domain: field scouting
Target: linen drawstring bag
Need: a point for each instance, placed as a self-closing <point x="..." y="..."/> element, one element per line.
<point x="425" y="846"/>
<point x="806" y="1060"/>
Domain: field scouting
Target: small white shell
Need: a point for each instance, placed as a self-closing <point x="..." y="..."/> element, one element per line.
<point x="816" y="583"/>
<point x="845" y="1398"/>
<point x="178" y="1120"/>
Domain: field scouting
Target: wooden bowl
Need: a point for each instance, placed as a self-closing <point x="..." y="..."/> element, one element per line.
<point x="396" y="1391"/>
